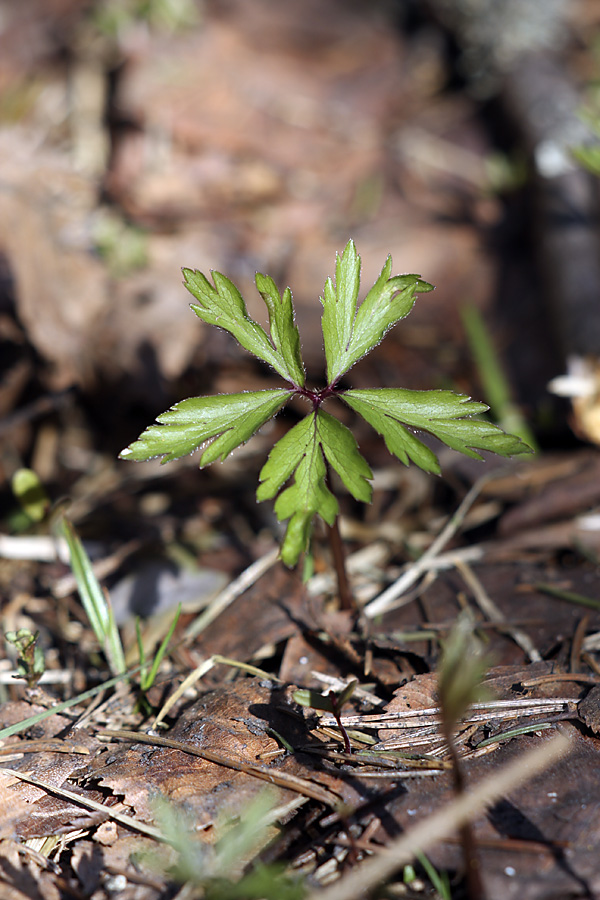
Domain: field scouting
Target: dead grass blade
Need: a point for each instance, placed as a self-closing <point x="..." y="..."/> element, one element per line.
<point x="388" y="599"/>
<point x="205" y="666"/>
<point x="248" y="577"/>
<point x="30" y="721"/>
<point x="401" y="851"/>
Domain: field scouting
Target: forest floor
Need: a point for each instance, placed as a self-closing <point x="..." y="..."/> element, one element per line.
<point x="239" y="137"/>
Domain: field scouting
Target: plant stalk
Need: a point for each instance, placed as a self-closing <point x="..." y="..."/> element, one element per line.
<point x="345" y="594"/>
<point x="347" y="745"/>
<point x="474" y="883"/>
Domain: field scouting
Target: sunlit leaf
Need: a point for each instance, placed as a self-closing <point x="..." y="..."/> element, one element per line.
<point x="227" y="419"/>
<point x="319" y="444"/>
<point x="302" y="452"/>
<point x="314" y="699"/>
<point x="284" y="331"/>
<point x="444" y="414"/>
<point x="339" y="310"/>
<point x="347" y="334"/>
<point x="222" y="305"/>
<point x="388" y="301"/>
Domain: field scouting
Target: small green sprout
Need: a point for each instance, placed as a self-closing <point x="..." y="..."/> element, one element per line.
<point x="29" y="491"/>
<point x="331" y="702"/>
<point x="462" y="667"/>
<point x="439" y="880"/>
<point x="30" y="661"/>
<point x="148" y="673"/>
<point x="319" y="442"/>
<point x="461" y="670"/>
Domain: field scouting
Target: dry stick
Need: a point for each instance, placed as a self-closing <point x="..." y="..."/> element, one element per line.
<point x="477" y="712"/>
<point x="400" y="852"/>
<point x="48" y="745"/>
<point x="88" y="803"/>
<point x="494" y="614"/>
<point x="382" y="603"/>
<point x="248" y="577"/>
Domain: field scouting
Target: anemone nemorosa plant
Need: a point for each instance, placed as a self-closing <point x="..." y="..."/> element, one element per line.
<point x="319" y="441"/>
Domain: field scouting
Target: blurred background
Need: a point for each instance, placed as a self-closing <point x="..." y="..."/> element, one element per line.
<point x="141" y="136"/>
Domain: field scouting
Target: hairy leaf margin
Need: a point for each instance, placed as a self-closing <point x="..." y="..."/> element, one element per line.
<point x="227" y="420"/>
<point x="222" y="305"/>
<point x="351" y="331"/>
<point x="444" y="414"/>
<point x="303" y="452"/>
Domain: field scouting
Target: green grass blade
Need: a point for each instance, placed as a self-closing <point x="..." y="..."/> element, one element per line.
<point x="30" y="721"/>
<point x="495" y="384"/>
<point x="95" y="602"/>
<point x="439" y="880"/>
<point x="148" y="679"/>
<point x="141" y="653"/>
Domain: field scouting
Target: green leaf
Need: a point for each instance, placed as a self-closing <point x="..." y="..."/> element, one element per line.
<point x="341" y="452"/>
<point x="231" y="419"/>
<point x="446" y="415"/>
<point x="284" y="331"/>
<point x="222" y="305"/>
<point x="298" y="451"/>
<point x="347" y="334"/>
<point x="339" y="310"/>
<point x="302" y="452"/>
<point x="30" y="492"/>
<point x="346" y="693"/>
<point x="319" y="442"/>
<point x="314" y="699"/>
<point x="147" y="678"/>
<point x="388" y="301"/>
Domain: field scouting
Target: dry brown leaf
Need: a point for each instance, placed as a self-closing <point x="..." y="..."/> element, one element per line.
<point x="233" y="721"/>
<point x="589" y="710"/>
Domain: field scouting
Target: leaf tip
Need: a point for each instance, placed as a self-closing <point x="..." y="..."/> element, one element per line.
<point x="523" y="448"/>
<point x="188" y="274"/>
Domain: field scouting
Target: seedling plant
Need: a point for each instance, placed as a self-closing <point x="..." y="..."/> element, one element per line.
<point x="461" y="671"/>
<point x="331" y="702"/>
<point x="318" y="443"/>
<point x="30" y="660"/>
